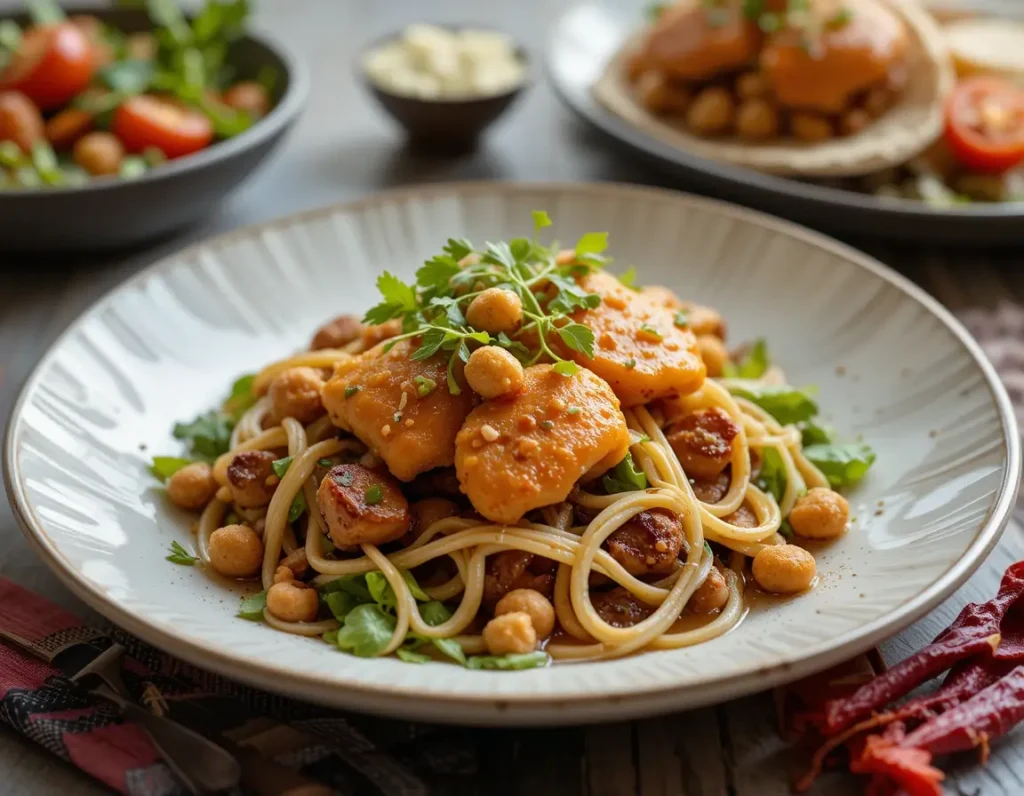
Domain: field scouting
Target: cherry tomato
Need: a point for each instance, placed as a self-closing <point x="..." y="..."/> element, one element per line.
<point x="985" y="124"/>
<point x="147" y="121"/>
<point x="53" y="64"/>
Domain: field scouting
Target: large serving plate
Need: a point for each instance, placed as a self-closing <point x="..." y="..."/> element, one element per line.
<point x="890" y="365"/>
<point x="586" y="37"/>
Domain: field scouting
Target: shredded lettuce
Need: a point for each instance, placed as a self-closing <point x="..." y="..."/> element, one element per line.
<point x="625" y="477"/>
<point x="843" y="465"/>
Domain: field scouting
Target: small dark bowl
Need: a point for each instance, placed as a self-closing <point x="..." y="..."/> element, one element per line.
<point x="443" y="125"/>
<point x="110" y="213"/>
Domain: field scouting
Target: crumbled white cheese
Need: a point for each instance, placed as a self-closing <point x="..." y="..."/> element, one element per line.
<point x="435" y="63"/>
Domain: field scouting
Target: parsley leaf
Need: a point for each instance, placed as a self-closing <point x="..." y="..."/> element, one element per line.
<point x="528" y="660"/>
<point x="843" y="465"/>
<point x="436" y="272"/>
<point x="163" y="467"/>
<point x="785" y="404"/>
<point x="625" y="477"/>
<point x="566" y="368"/>
<point x="281" y="466"/>
<point x="628" y="278"/>
<point x="367" y="631"/>
<point x="773" y="474"/>
<point x="241" y="398"/>
<point x="458" y="248"/>
<point x="592" y="243"/>
<point x="399" y="298"/>
<point x="251" y="607"/>
<point x="298" y="507"/>
<point x="208" y="436"/>
<point x="179" y="555"/>
<point x="754" y="364"/>
<point x="578" y="337"/>
<point x="814" y="434"/>
<point x="411" y="656"/>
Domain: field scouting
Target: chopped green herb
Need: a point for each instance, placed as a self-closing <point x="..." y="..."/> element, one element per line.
<point x="350" y="391"/>
<point x="251" y="607"/>
<point x="208" y="435"/>
<point x="411" y="656"/>
<point x="179" y="555"/>
<point x="770" y="22"/>
<point x="528" y="660"/>
<point x="367" y="631"/>
<point x="654" y="10"/>
<point x="324" y="463"/>
<point x="753" y="365"/>
<point x="566" y="368"/>
<point x="840" y="19"/>
<point x="812" y="433"/>
<point x="773" y="474"/>
<point x="547" y="425"/>
<point x="843" y="465"/>
<point x="786" y="529"/>
<point x="281" y="466"/>
<point x="625" y="477"/>
<point x="785" y="404"/>
<point x="628" y="278"/>
<point x="241" y="398"/>
<point x="298" y="507"/>
<point x="647" y="329"/>
<point x="424" y="386"/>
<point x="574" y="410"/>
<point x="681" y="319"/>
<point x="630" y="363"/>
<point x="373" y="496"/>
<point x="164" y="467"/>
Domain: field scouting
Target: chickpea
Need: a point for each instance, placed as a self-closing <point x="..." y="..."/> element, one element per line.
<point x="714" y="353"/>
<point x="784" y="569"/>
<point x="659" y="95"/>
<point x="293" y="602"/>
<point x="337" y="332"/>
<point x="99" y="153"/>
<point x="533" y="604"/>
<point x="141" y="47"/>
<point x="877" y="101"/>
<point x="820" y="514"/>
<point x="757" y="120"/>
<point x="251" y="478"/>
<point x="192" y="487"/>
<point x="712" y="112"/>
<point x="236" y="551"/>
<point x="20" y="120"/>
<point x="296" y="393"/>
<point x="510" y="634"/>
<point x="493" y="372"/>
<point x="495" y="310"/>
<point x="752" y="85"/>
<point x="249" y="97"/>
<point x="711" y="595"/>
<point x="810" y="127"/>
<point x="430" y="510"/>
<point x="70" y="124"/>
<point x="853" y="121"/>
<point x="704" y="320"/>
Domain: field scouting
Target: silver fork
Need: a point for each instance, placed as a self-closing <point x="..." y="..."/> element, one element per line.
<point x="201" y="765"/>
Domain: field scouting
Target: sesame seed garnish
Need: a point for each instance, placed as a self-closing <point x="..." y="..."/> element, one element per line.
<point x="385" y="430"/>
<point x="489" y="433"/>
<point x="404" y="401"/>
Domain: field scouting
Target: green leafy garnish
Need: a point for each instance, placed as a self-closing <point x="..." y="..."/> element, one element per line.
<point x="341" y="603"/>
<point x="298" y="507"/>
<point x="654" y="10"/>
<point x="753" y="365"/>
<point x="367" y="631"/>
<point x="628" y="278"/>
<point x="843" y="465"/>
<point x="813" y="433"/>
<point x="241" y="398"/>
<point x="411" y="656"/>
<point x="373" y="496"/>
<point x="630" y="363"/>
<point x="251" y="607"/>
<point x="625" y="477"/>
<point x="324" y="463"/>
<point x="528" y="660"/>
<point x="208" y="436"/>
<point x="681" y="319"/>
<point x="382" y="593"/>
<point x="424" y="386"/>
<point x="352" y="390"/>
<point x="164" y="467"/>
<point x="353" y="584"/>
<point x="839" y="19"/>
<point x="132" y="167"/>
<point x="785" y="404"/>
<point x="45" y="12"/>
<point x="179" y="555"/>
<point x="773" y="474"/>
<point x="281" y="466"/>
<point x="127" y="77"/>
<point x="650" y="331"/>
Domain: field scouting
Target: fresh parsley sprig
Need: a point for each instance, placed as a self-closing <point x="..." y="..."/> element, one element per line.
<point x="432" y="308"/>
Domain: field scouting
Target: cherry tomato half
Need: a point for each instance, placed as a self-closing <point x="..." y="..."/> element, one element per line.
<point x="147" y="121"/>
<point x="53" y="63"/>
<point x="985" y="124"/>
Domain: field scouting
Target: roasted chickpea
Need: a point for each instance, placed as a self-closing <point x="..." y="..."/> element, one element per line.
<point x="702" y="441"/>
<point x="493" y="371"/>
<point x="249" y="97"/>
<point x="510" y="634"/>
<point x="784" y="569"/>
<point x="877" y="101"/>
<point x="648" y="542"/>
<point x="293" y="602"/>
<point x="714" y="353"/>
<point x="430" y="510"/>
<point x="757" y="120"/>
<point x="236" y="551"/>
<point x="853" y="121"/>
<point x="494" y="311"/>
<point x="67" y="126"/>
<point x="141" y="46"/>
<point x="660" y="95"/>
<point x="99" y="153"/>
<point x="251" y="478"/>
<point x="296" y="393"/>
<point x="362" y="506"/>
<point x="811" y="128"/>
<point x="820" y="514"/>
<point x="533" y="604"/>
<point x="711" y="595"/>
<point x="20" y="120"/>
<point x="337" y="332"/>
<point x="192" y="487"/>
<point x="752" y="85"/>
<point x="712" y="112"/>
<point x="704" y="320"/>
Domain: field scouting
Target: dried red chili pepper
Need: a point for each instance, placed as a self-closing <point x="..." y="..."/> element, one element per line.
<point x="909" y="768"/>
<point x="975" y="632"/>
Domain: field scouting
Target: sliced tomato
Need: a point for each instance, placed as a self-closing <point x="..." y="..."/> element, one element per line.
<point x="147" y="121"/>
<point x="53" y="63"/>
<point x="985" y="124"/>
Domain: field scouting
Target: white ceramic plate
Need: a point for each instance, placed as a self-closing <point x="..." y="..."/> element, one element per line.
<point x="890" y="363"/>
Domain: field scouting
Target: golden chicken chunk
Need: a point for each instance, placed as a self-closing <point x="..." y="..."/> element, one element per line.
<point x="362" y="506"/>
<point x="848" y="58"/>
<point x="399" y="407"/>
<point x="688" y="43"/>
<point x="702" y="441"/>
<point x="517" y="454"/>
<point x="638" y="349"/>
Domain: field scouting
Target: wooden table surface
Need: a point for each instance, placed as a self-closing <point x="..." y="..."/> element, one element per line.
<point x="344" y="148"/>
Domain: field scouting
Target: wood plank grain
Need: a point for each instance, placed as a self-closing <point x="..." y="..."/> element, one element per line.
<point x="610" y="764"/>
<point x="681" y="753"/>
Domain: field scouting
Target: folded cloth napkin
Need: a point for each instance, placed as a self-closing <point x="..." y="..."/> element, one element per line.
<point x="286" y="747"/>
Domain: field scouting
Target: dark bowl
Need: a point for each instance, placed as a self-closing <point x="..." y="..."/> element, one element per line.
<point x="443" y="125"/>
<point x="109" y="212"/>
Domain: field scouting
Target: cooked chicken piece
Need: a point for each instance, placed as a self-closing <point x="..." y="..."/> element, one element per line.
<point x="711" y="490"/>
<point x="337" y="332"/>
<point x="689" y="43"/>
<point x="702" y="442"/>
<point x="517" y="569"/>
<point x="399" y="407"/>
<point x="519" y="453"/>
<point x="638" y="349"/>
<point x="251" y="478"/>
<point x="619" y="608"/>
<point x="362" y="506"/>
<point x="662" y="297"/>
<point x="649" y="542"/>
<point x="842" y="61"/>
<point x="743" y="517"/>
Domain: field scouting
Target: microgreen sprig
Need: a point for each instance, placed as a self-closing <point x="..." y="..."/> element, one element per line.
<point x="432" y="308"/>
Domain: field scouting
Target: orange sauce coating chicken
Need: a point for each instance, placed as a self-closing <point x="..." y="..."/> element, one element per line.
<point x="519" y="453"/>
